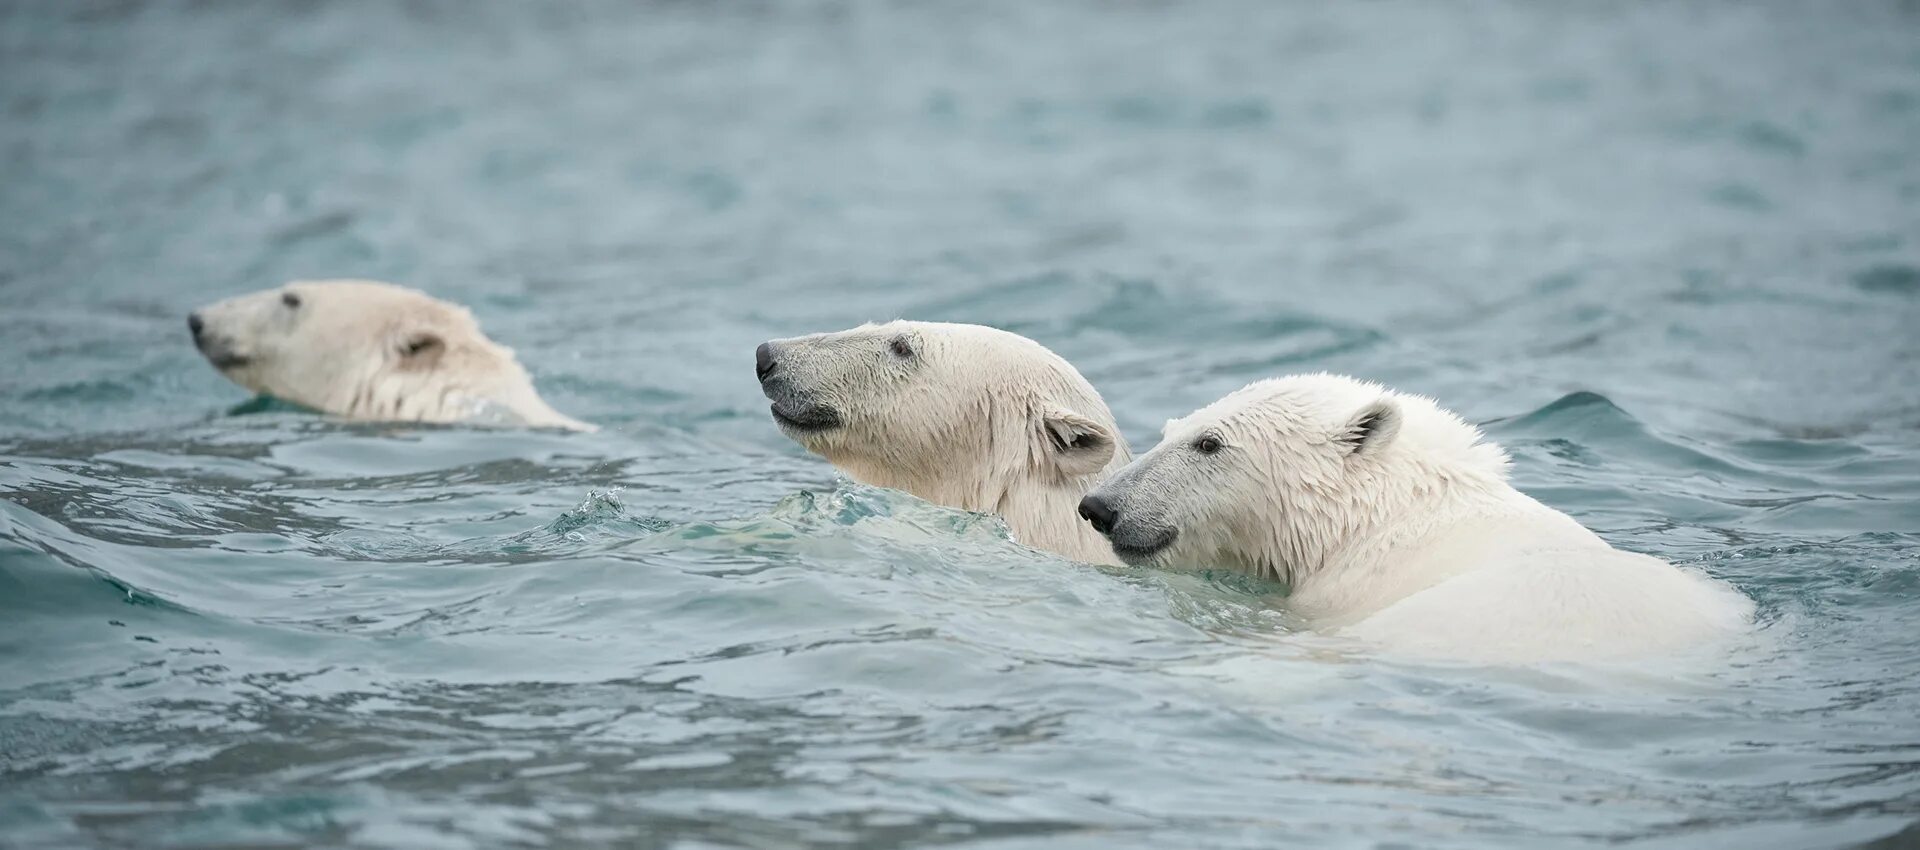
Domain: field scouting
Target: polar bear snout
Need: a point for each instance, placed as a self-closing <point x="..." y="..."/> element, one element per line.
<point x="218" y="349"/>
<point x="763" y="362"/>
<point x="794" y="408"/>
<point x="1133" y="540"/>
<point x="1096" y="511"/>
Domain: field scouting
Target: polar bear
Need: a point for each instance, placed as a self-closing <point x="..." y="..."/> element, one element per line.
<point x="371" y="351"/>
<point x="1391" y="520"/>
<point x="965" y="416"/>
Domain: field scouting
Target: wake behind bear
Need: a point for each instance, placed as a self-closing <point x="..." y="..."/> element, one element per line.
<point x="1392" y="521"/>
<point x="965" y="416"/>
<point x="370" y="351"/>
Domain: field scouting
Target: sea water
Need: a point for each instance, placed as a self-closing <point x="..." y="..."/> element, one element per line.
<point x="1669" y="255"/>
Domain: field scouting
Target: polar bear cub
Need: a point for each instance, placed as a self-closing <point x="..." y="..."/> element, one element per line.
<point x="1392" y="521"/>
<point x="372" y="351"/>
<point x="965" y="416"/>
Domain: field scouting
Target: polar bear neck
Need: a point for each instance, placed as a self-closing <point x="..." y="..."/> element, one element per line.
<point x="990" y="467"/>
<point x="1046" y="516"/>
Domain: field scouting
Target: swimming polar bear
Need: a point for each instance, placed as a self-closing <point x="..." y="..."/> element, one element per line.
<point x="965" y="416"/>
<point x="371" y="351"/>
<point x="1392" y="521"/>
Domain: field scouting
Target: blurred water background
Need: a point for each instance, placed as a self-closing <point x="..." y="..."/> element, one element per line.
<point x="1669" y="253"/>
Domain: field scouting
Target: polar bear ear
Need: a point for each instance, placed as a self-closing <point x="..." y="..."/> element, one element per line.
<point x="421" y="350"/>
<point x="1077" y="445"/>
<point x="1372" y="428"/>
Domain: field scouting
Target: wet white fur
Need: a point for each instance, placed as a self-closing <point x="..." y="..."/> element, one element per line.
<point x="374" y="351"/>
<point x="1413" y="538"/>
<point x="971" y="422"/>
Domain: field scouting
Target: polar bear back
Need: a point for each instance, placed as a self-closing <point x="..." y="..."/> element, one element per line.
<point x="1546" y="603"/>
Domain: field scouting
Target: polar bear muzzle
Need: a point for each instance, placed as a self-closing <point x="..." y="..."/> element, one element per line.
<point x="795" y="407"/>
<point x="1133" y="539"/>
<point x="218" y="349"/>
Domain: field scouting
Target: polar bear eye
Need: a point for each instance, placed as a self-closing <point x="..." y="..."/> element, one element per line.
<point x="292" y="300"/>
<point x="1207" y="445"/>
<point x="902" y="347"/>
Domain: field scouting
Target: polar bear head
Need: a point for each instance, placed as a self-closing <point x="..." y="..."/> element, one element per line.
<point x="1283" y="475"/>
<point x="369" y="350"/>
<point x="962" y="415"/>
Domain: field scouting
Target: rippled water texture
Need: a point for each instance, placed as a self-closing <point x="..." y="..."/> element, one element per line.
<point x="1669" y="254"/>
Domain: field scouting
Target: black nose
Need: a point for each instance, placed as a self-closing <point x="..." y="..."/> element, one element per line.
<point x="194" y="324"/>
<point x="763" y="364"/>
<point x="1097" y="511"/>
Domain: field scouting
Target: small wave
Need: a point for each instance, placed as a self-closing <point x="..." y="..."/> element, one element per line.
<point x="267" y="404"/>
<point x="599" y="523"/>
<point x="1589" y="429"/>
<point x="808" y="519"/>
<point x="600" y="517"/>
<point x="1582" y="407"/>
<point x="32" y="581"/>
<point x="1888" y="278"/>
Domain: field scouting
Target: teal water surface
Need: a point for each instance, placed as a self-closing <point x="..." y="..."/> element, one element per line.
<point x="1668" y="254"/>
